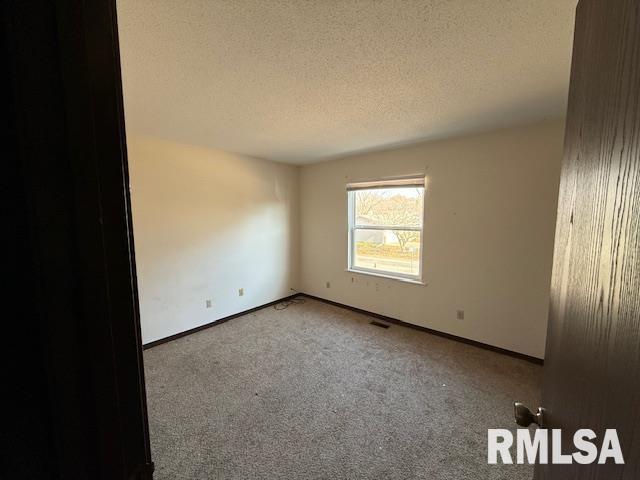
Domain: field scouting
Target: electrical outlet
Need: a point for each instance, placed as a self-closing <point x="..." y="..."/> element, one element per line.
<point x="208" y="303"/>
<point x="460" y="315"/>
<point x="328" y="284"/>
<point x="240" y="292"/>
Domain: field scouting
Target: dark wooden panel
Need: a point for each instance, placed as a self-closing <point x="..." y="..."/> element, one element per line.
<point x="592" y="364"/>
<point x="77" y="404"/>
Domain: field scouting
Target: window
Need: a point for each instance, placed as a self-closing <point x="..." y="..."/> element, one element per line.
<point x="385" y="227"/>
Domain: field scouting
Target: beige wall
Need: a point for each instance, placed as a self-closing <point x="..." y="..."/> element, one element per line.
<point x="490" y="220"/>
<point x="207" y="223"/>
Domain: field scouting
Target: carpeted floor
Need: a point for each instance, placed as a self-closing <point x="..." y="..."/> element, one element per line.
<point x="315" y="391"/>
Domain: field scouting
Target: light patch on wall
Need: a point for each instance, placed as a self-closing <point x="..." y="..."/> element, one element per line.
<point x="208" y="223"/>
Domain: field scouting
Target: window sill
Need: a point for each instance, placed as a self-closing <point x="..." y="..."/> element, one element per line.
<point x="387" y="276"/>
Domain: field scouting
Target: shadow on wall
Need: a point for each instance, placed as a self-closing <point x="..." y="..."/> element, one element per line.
<point x="208" y="223"/>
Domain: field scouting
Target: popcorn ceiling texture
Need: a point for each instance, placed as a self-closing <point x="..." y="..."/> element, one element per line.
<point x="300" y="81"/>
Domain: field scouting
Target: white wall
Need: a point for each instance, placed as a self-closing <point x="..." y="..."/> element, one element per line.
<point x="490" y="221"/>
<point x="207" y="223"/>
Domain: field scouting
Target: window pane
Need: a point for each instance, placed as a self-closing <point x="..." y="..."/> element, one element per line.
<point x="390" y="251"/>
<point x="389" y="207"/>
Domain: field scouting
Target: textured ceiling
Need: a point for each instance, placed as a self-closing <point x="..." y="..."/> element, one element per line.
<point x="300" y="81"/>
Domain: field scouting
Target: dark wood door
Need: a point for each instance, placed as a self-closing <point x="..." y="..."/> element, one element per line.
<point x="75" y="392"/>
<point x="592" y="365"/>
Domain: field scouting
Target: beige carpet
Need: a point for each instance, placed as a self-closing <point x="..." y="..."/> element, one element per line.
<point x="315" y="391"/>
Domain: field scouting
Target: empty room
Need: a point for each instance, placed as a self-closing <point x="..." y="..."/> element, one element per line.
<point x="367" y="192"/>
<point x="341" y="239"/>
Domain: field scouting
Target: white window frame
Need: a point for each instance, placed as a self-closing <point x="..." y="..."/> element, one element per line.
<point x="397" y="182"/>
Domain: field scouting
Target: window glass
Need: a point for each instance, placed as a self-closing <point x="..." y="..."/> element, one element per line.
<point x="385" y="231"/>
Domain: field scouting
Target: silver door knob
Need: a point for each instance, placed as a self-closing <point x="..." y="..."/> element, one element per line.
<point x="524" y="416"/>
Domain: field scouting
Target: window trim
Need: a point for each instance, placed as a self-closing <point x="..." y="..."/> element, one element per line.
<point x="352" y="188"/>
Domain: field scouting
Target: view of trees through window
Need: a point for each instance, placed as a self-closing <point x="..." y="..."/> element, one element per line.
<point x="387" y="229"/>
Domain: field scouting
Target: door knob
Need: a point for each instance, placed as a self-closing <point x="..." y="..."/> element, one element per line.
<point x="524" y="416"/>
